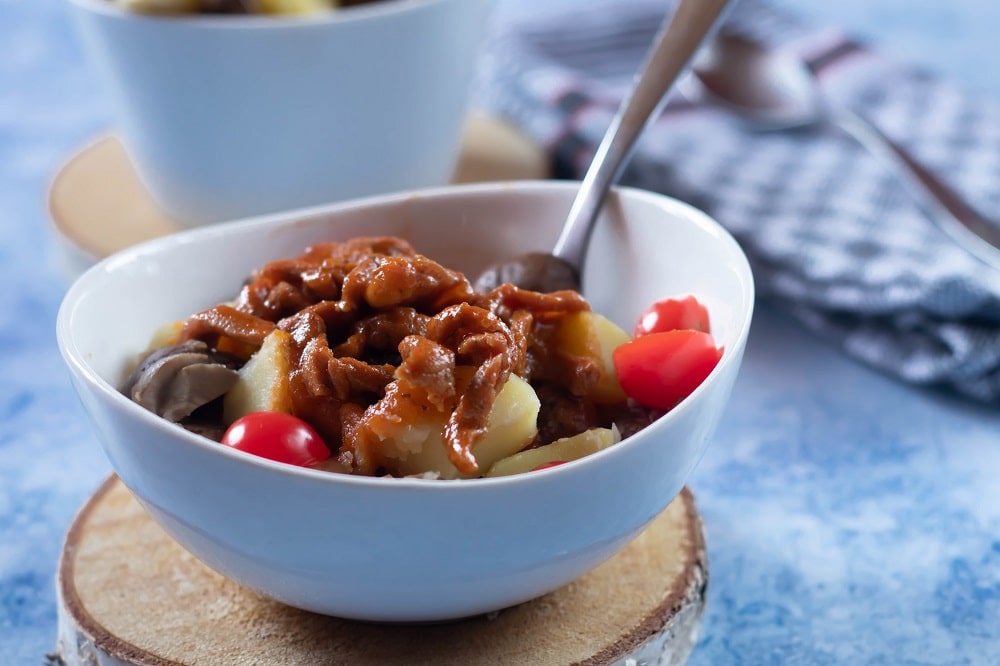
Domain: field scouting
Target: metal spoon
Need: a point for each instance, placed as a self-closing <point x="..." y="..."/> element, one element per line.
<point x="774" y="90"/>
<point x="673" y="48"/>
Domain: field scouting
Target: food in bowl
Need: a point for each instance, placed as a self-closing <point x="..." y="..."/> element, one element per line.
<point x="366" y="357"/>
<point x="236" y="6"/>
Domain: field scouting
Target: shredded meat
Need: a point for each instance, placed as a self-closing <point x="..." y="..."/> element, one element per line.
<point x="508" y="299"/>
<point x="383" y="335"/>
<point x="562" y="414"/>
<point x="468" y="422"/>
<point x="382" y="332"/>
<point x="428" y="367"/>
<point x="225" y="321"/>
<point x="384" y="282"/>
<point x="481" y="339"/>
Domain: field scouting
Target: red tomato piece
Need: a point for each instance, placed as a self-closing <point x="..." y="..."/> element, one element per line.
<point x="659" y="370"/>
<point x="554" y="463"/>
<point x="671" y="314"/>
<point x="277" y="436"/>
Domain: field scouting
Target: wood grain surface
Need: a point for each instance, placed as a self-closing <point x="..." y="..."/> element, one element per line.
<point x="129" y="594"/>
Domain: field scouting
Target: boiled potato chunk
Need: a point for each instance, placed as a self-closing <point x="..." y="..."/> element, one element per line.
<point x="561" y="450"/>
<point x="167" y="334"/>
<point x="263" y="382"/>
<point x="420" y="447"/>
<point x="590" y="334"/>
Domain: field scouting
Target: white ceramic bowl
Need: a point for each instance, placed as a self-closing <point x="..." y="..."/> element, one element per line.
<point x="406" y="549"/>
<point x="230" y="116"/>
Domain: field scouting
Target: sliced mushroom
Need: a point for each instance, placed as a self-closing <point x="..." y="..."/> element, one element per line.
<point x="174" y="381"/>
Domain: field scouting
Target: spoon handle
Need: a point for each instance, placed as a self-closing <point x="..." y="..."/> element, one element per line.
<point x="943" y="205"/>
<point x="672" y="50"/>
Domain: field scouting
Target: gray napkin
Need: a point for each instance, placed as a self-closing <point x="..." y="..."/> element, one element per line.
<point x="832" y="236"/>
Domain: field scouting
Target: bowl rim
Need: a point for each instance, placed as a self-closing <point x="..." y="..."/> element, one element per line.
<point x="339" y="15"/>
<point x="75" y="358"/>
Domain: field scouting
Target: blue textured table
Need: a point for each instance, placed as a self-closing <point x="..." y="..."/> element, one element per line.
<point x="850" y="519"/>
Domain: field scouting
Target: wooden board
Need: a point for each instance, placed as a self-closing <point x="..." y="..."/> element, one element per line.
<point x="98" y="205"/>
<point x="129" y="594"/>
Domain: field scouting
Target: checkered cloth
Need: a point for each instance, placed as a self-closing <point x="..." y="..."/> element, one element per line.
<point x="832" y="236"/>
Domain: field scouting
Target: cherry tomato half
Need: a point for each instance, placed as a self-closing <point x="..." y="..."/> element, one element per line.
<point x="277" y="436"/>
<point x="671" y="314"/>
<point x="659" y="370"/>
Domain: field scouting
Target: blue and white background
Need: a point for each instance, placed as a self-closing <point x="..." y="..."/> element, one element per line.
<point x="850" y="518"/>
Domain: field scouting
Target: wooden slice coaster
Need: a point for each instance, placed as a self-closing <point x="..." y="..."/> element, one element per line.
<point x="98" y="205"/>
<point x="129" y="594"/>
